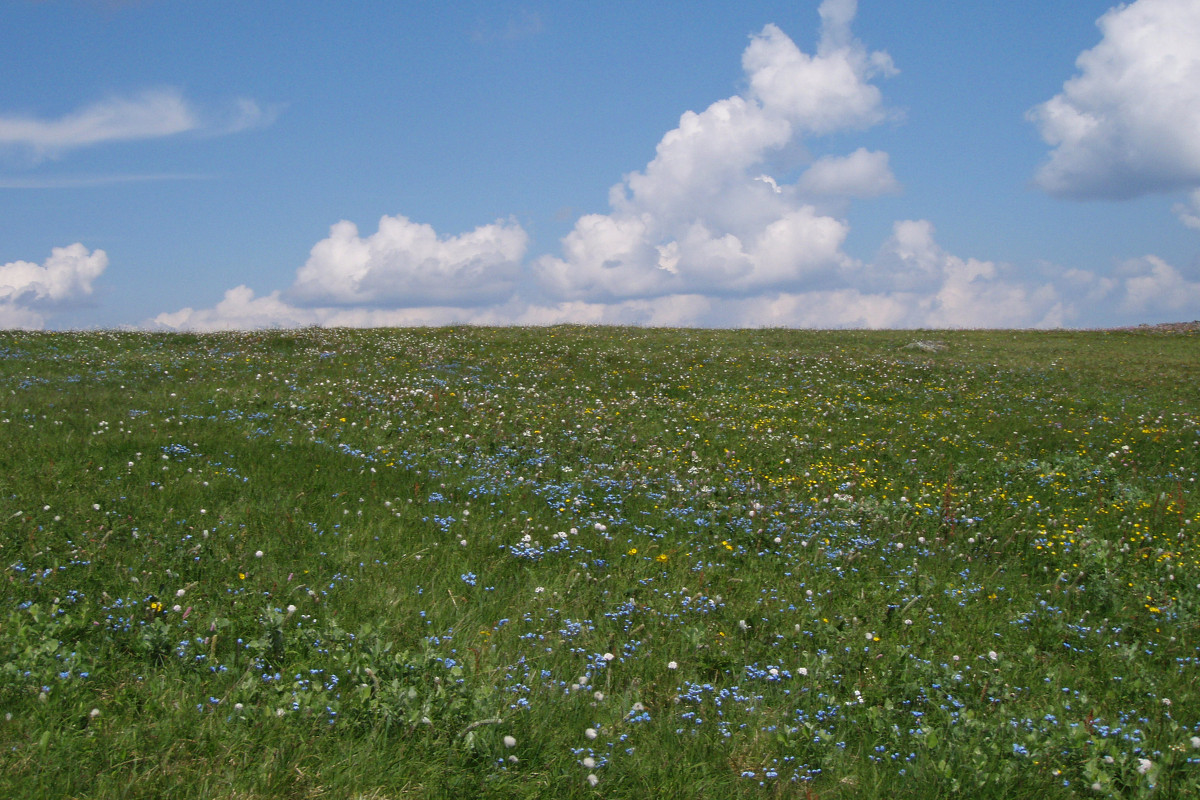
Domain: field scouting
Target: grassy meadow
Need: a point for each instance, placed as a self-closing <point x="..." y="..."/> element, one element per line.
<point x="582" y="562"/>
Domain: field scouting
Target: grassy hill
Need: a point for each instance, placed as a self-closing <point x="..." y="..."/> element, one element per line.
<point x="582" y="562"/>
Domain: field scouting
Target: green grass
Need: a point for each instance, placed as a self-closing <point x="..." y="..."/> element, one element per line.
<point x="704" y="564"/>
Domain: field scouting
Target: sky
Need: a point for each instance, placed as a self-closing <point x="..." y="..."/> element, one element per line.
<point x="208" y="165"/>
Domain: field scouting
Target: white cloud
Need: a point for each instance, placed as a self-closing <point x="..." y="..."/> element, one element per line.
<point x="150" y="114"/>
<point x="1149" y="284"/>
<point x="1127" y="124"/>
<point x="407" y="264"/>
<point x="942" y="290"/>
<point x="822" y="93"/>
<point x="912" y="283"/>
<point x="239" y="309"/>
<point x="706" y="235"/>
<point x="863" y="173"/>
<point x="703" y="216"/>
<point x="29" y="292"/>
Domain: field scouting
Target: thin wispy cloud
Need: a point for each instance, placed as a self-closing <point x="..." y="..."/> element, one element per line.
<point x="86" y="181"/>
<point x="525" y="25"/>
<point x="150" y="114"/>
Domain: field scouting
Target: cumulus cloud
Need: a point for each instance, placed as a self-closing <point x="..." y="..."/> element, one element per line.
<point x="938" y="289"/>
<point x="912" y="283"/>
<point x="407" y="264"/>
<point x="706" y="216"/>
<point x="147" y="115"/>
<point x="30" y="292"/>
<point x="711" y="232"/>
<point x="1127" y="124"/>
<point x="1149" y="284"/>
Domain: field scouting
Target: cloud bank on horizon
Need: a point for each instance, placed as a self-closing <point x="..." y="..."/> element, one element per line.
<point x="733" y="222"/>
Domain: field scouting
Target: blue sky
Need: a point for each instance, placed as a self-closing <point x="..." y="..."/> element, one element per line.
<point x="171" y="164"/>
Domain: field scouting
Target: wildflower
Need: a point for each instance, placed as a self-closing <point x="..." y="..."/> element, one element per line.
<point x="591" y="733"/>
<point x="95" y="712"/>
<point x="631" y="552"/>
<point x="180" y="592"/>
<point x="258" y="553"/>
<point x="803" y="671"/>
<point x="592" y="779"/>
<point x="672" y="665"/>
<point x="510" y="742"/>
<point x="1144" y="765"/>
<point x="993" y="655"/>
<point x="598" y="695"/>
<point x="661" y="558"/>
<point x="589" y="762"/>
<point x="1096" y="787"/>
<point x="1196" y="742"/>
